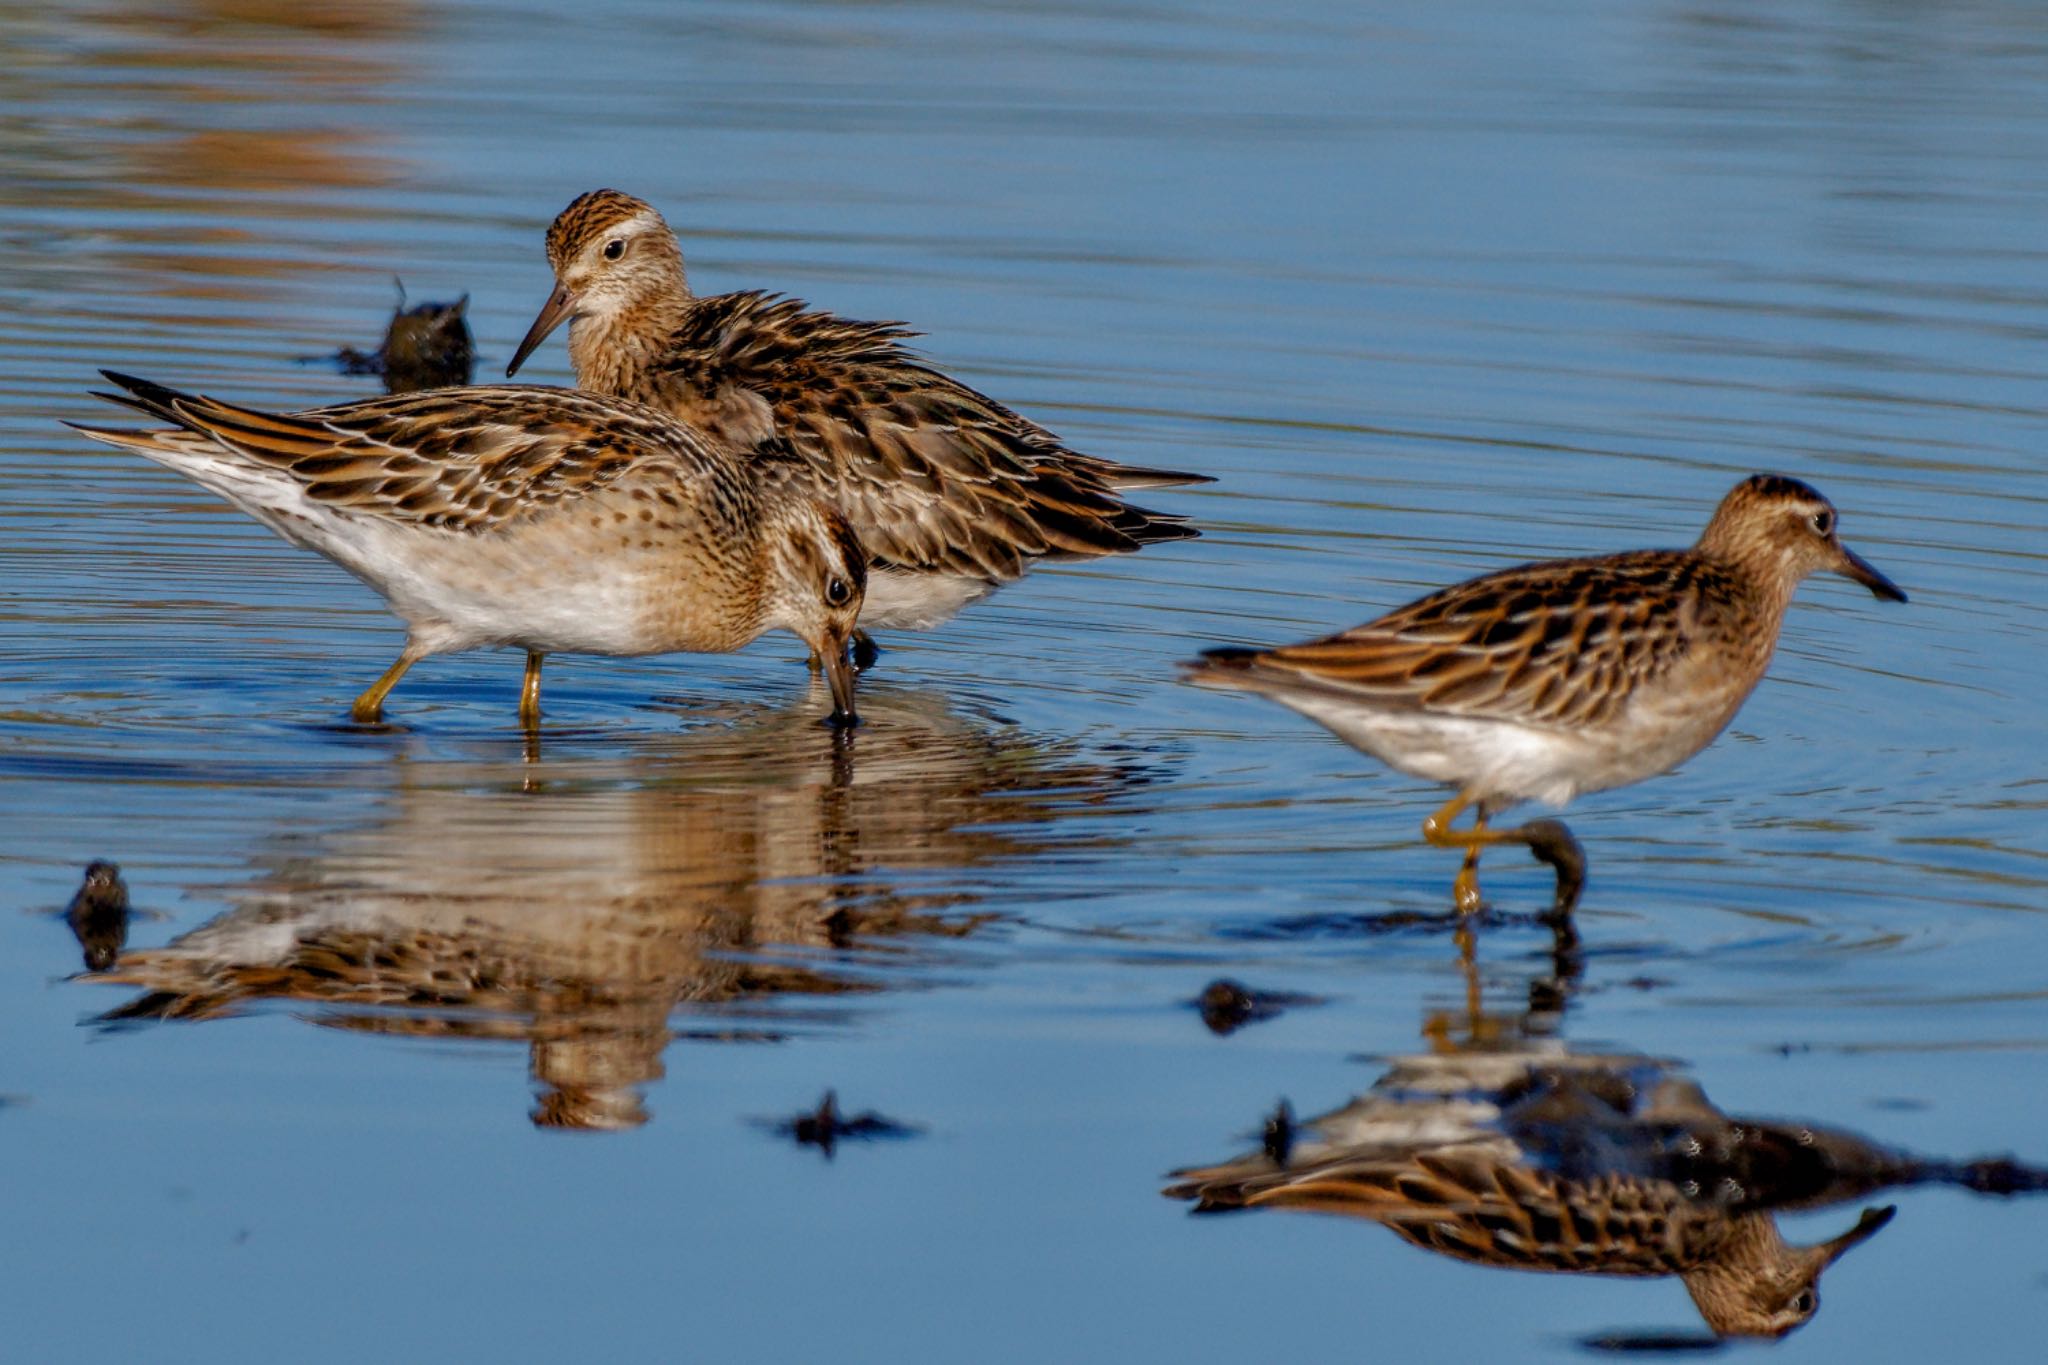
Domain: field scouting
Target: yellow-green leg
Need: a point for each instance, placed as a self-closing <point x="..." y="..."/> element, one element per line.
<point x="529" y="690"/>
<point x="369" y="707"/>
<point x="1549" y="840"/>
<point x="1437" y="830"/>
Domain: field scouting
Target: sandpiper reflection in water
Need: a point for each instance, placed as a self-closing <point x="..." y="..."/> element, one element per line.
<point x="1502" y="1146"/>
<point x="718" y="875"/>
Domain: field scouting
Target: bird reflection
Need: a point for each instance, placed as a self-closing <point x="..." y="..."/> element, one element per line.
<point x="1501" y="1146"/>
<point x="691" y="888"/>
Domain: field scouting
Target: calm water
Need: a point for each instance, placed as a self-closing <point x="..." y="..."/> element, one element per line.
<point x="1428" y="289"/>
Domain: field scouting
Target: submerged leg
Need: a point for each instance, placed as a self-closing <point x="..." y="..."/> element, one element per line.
<point x="529" y="690"/>
<point x="369" y="708"/>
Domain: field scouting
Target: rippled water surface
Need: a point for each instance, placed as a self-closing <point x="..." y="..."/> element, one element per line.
<point x="428" y="1041"/>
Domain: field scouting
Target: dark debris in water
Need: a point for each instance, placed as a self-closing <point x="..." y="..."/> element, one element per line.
<point x="2001" y="1175"/>
<point x="825" y="1127"/>
<point x="1228" y="1006"/>
<point x="98" y="915"/>
<point x="425" y="347"/>
<point x="1276" y="1139"/>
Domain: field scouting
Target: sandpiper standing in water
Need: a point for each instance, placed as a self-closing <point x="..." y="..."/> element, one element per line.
<point x="951" y="493"/>
<point x="1567" y="676"/>
<point x="545" y="519"/>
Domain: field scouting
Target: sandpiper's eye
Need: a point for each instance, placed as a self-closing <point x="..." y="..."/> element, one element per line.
<point x="615" y="248"/>
<point x="1823" y="522"/>
<point x="837" y="594"/>
<point x="1802" y="1303"/>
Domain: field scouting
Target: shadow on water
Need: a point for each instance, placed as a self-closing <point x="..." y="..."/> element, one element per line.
<point x="597" y="909"/>
<point x="1502" y="1145"/>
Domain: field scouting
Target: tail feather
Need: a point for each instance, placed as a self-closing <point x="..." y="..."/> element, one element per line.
<point x="146" y="395"/>
<point x="1229" y="667"/>
<point x="1125" y="477"/>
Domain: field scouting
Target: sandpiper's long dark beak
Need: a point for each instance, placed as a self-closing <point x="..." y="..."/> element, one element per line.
<point x="839" y="672"/>
<point x="559" y="306"/>
<point x="1857" y="567"/>
<point x="1866" y="1227"/>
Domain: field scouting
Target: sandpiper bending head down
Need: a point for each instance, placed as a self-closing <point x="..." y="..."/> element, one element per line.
<point x="1567" y="676"/>
<point x="545" y="519"/>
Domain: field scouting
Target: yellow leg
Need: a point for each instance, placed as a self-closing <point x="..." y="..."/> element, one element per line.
<point x="1549" y="840"/>
<point x="1437" y="830"/>
<point x="529" y="690"/>
<point x="369" y="708"/>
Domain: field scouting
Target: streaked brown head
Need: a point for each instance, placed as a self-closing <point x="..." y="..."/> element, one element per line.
<point x="1784" y="530"/>
<point x="588" y="218"/>
<point x="612" y="255"/>
<point x="818" y="577"/>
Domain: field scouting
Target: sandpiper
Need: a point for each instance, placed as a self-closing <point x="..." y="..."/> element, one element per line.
<point x="1574" y="1163"/>
<point x="951" y="492"/>
<point x="1567" y="676"/>
<point x="545" y="519"/>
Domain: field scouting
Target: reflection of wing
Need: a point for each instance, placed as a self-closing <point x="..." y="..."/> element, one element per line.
<point x="1470" y="1204"/>
<point x="580" y="915"/>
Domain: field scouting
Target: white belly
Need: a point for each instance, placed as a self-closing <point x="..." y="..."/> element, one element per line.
<point x="1506" y="762"/>
<point x="917" y="601"/>
<point x="495" y="591"/>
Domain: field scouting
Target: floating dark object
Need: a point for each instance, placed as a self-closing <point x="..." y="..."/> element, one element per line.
<point x="825" y="1127"/>
<point x="1276" y="1139"/>
<point x="1228" y="1006"/>
<point x="98" y="915"/>
<point x="425" y="347"/>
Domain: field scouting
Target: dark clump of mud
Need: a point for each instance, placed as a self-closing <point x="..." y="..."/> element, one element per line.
<point x="1227" y="1005"/>
<point x="425" y="347"/>
<point x="98" y="915"/>
<point x="825" y="1127"/>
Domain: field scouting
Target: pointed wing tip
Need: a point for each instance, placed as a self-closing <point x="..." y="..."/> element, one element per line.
<point x="1227" y="666"/>
<point x="125" y="437"/>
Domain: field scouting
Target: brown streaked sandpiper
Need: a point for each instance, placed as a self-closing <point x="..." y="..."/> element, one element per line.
<point x="1572" y="675"/>
<point x="952" y="493"/>
<point x="549" y="520"/>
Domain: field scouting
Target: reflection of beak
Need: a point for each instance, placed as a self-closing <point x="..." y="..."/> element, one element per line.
<point x="839" y="673"/>
<point x="1826" y="1253"/>
<point x="1857" y="567"/>
<point x="560" y="305"/>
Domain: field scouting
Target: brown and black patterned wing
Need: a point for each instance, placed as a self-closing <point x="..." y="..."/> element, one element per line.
<point x="932" y="474"/>
<point x="459" y="459"/>
<point x="1562" y="643"/>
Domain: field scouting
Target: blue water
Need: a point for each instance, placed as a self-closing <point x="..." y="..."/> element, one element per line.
<point x="1428" y="289"/>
